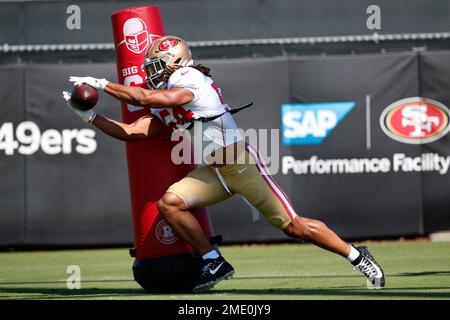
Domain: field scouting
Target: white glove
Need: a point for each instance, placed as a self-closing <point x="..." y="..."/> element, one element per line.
<point x="93" y="82"/>
<point x="87" y="115"/>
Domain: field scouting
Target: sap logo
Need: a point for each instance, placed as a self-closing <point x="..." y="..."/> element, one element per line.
<point x="311" y="123"/>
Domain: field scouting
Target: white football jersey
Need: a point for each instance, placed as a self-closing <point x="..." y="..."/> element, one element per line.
<point x="207" y="102"/>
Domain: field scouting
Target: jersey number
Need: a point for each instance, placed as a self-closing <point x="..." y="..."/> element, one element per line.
<point x="179" y="114"/>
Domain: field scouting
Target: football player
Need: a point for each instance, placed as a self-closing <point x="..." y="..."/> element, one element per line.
<point x="181" y="92"/>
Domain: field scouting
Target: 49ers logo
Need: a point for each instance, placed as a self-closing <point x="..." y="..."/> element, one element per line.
<point x="167" y="44"/>
<point x="415" y="120"/>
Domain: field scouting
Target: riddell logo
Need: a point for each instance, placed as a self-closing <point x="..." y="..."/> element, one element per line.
<point x="167" y="44"/>
<point x="415" y="120"/>
<point x="164" y="233"/>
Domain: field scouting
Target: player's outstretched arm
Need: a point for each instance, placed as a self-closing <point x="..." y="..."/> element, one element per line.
<point x="138" y="96"/>
<point x="140" y="129"/>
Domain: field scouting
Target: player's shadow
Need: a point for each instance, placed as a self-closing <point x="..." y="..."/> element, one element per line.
<point x="423" y="273"/>
<point x="323" y="293"/>
<point x="388" y="292"/>
<point x="35" y="292"/>
<point x="52" y="293"/>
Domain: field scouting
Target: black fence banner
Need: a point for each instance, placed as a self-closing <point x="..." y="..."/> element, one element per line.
<point x="361" y="143"/>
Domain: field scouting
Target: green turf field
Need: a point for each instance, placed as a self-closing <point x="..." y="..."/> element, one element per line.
<point x="415" y="270"/>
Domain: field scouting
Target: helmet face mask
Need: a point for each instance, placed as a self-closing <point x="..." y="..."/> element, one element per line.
<point x="155" y="70"/>
<point x="163" y="57"/>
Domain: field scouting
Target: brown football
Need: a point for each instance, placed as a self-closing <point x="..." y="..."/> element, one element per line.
<point x="84" y="97"/>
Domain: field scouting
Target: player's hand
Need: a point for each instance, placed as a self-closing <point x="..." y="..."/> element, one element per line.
<point x="93" y="82"/>
<point x="87" y="116"/>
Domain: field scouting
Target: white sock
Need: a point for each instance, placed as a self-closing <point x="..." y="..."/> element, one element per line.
<point x="354" y="254"/>
<point x="211" y="255"/>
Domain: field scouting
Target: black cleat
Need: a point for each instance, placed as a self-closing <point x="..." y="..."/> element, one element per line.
<point x="213" y="271"/>
<point x="370" y="268"/>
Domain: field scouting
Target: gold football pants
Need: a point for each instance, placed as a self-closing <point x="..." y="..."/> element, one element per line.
<point x="248" y="177"/>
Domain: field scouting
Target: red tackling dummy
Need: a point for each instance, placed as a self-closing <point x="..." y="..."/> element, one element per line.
<point x="150" y="168"/>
